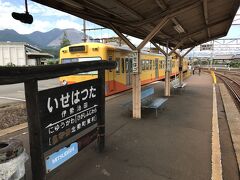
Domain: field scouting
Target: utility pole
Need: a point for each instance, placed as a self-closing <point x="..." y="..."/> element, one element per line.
<point x="84" y="31"/>
<point x="90" y="29"/>
<point x="212" y="54"/>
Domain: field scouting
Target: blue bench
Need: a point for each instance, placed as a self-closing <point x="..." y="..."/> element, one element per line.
<point x="176" y="84"/>
<point x="148" y="101"/>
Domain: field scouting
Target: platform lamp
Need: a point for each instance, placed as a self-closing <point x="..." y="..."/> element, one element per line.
<point x="23" y="17"/>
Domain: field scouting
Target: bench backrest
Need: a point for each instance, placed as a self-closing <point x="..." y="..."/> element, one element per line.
<point x="175" y="82"/>
<point x="147" y="92"/>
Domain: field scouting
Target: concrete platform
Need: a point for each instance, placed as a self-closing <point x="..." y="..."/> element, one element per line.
<point x="175" y="145"/>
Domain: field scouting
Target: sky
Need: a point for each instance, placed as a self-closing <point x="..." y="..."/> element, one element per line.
<point x="46" y="18"/>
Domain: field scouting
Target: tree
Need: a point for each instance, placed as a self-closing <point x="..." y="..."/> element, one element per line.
<point x="65" y="41"/>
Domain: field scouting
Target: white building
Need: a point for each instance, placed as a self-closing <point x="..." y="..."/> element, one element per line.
<point x="20" y="54"/>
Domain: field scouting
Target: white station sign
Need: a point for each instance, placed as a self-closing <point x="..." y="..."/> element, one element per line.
<point x="135" y="62"/>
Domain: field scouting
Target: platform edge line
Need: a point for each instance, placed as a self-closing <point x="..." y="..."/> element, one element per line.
<point x="216" y="150"/>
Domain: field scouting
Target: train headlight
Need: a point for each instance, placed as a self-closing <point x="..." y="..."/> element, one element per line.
<point x="64" y="83"/>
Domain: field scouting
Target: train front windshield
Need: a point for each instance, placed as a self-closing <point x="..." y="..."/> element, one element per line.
<point x="72" y="60"/>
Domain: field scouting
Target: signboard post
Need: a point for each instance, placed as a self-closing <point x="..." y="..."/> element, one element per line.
<point x="64" y="120"/>
<point x="37" y="158"/>
<point x="101" y="121"/>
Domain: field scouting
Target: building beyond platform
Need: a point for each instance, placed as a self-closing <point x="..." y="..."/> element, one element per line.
<point x="21" y="54"/>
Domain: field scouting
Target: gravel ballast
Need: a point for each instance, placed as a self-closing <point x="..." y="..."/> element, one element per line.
<point x="12" y="114"/>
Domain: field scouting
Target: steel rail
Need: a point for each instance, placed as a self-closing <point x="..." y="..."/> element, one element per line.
<point x="227" y="81"/>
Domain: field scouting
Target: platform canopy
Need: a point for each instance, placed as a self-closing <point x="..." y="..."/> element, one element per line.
<point x="183" y="23"/>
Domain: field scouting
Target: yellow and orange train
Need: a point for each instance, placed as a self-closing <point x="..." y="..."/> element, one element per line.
<point x="119" y="79"/>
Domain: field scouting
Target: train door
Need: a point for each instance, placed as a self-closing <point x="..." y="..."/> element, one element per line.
<point x="111" y="84"/>
<point x="128" y="65"/>
<point x="156" y="69"/>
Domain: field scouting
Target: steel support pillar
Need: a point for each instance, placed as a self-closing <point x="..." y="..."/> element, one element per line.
<point x="181" y="65"/>
<point x="136" y="98"/>
<point x="180" y="70"/>
<point x="167" y="83"/>
<point x="167" y="74"/>
<point x="136" y="86"/>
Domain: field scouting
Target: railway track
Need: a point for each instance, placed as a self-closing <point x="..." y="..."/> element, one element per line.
<point x="232" y="85"/>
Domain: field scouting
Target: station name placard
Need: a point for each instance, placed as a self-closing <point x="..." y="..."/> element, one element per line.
<point x="135" y="62"/>
<point x="206" y="47"/>
<point x="68" y="110"/>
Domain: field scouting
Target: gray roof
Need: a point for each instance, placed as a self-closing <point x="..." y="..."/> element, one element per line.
<point x="186" y="22"/>
<point x="39" y="55"/>
<point x="237" y="56"/>
<point x="223" y="57"/>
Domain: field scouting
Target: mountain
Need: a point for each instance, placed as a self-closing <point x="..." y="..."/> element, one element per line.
<point x="73" y="35"/>
<point x="43" y="40"/>
<point x="11" y="35"/>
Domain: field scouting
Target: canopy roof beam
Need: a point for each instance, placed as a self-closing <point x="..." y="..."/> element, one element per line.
<point x="159" y="48"/>
<point x="176" y="47"/>
<point x="130" y="10"/>
<point x="171" y="12"/>
<point x="187" y="52"/>
<point x="162" y="4"/>
<point x="205" y="12"/>
<point x="153" y="33"/>
<point x="190" y="35"/>
<point x="136" y="14"/>
<point x="126" y="40"/>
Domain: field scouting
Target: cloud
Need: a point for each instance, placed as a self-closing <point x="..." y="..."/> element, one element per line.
<point x="7" y="22"/>
<point x="64" y="23"/>
<point x="45" y="18"/>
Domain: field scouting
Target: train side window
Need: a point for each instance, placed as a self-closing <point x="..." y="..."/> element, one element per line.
<point x="118" y="65"/>
<point x="147" y="64"/>
<point x="122" y="62"/>
<point x="127" y="65"/>
<point x="142" y="64"/>
<point x="110" y="58"/>
<point x="130" y="64"/>
<point x="150" y="64"/>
